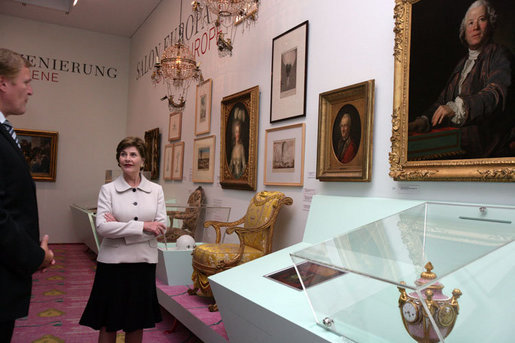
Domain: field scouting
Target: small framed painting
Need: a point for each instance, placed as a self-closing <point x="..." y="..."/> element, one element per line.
<point x="178" y="160"/>
<point x="345" y="122"/>
<point x="289" y="70"/>
<point x="168" y="156"/>
<point x="153" y="144"/>
<point x="284" y="155"/>
<point x="204" y="159"/>
<point x="174" y="126"/>
<point x="40" y="151"/>
<point x="203" y="107"/>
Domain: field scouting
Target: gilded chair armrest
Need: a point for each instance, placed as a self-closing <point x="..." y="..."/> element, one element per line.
<point x="242" y="230"/>
<point x="217" y="225"/>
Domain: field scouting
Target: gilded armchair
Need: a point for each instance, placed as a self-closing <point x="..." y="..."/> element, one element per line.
<point x="255" y="231"/>
<point x="191" y="216"/>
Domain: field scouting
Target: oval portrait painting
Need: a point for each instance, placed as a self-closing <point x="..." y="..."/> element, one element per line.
<point x="346" y="133"/>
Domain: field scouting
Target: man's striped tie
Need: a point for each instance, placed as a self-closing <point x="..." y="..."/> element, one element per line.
<point x="10" y="128"/>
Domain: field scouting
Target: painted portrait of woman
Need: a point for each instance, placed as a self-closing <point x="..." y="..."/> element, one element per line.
<point x="237" y="140"/>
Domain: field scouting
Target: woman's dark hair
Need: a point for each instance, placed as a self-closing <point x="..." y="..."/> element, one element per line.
<point x="128" y="142"/>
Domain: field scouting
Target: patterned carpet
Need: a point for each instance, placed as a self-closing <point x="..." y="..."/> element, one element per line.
<point x="59" y="296"/>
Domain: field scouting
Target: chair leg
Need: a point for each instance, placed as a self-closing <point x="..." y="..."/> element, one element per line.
<point x="213" y="308"/>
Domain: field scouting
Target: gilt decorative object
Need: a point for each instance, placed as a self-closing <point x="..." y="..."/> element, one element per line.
<point x="414" y="310"/>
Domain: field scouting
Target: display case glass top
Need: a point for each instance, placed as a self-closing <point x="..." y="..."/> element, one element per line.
<point x="396" y="249"/>
<point x="416" y="275"/>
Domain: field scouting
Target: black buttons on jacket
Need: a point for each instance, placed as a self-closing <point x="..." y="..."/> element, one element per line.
<point x="135" y="203"/>
<point x="134" y="189"/>
<point x="135" y="218"/>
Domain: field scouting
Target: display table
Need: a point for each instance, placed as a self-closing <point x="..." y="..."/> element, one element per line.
<point x="256" y="309"/>
<point x="84" y="222"/>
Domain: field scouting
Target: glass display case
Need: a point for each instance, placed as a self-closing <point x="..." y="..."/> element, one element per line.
<point x="434" y="272"/>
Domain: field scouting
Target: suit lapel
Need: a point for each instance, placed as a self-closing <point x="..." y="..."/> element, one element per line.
<point x="12" y="142"/>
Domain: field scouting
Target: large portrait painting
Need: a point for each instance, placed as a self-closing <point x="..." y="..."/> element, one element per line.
<point x="454" y="112"/>
<point x="345" y="133"/>
<point x="40" y="151"/>
<point x="238" y="132"/>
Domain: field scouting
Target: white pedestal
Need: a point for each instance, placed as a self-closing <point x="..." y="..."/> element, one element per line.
<point x="174" y="266"/>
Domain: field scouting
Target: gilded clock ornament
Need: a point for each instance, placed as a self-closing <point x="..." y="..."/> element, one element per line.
<point x="442" y="309"/>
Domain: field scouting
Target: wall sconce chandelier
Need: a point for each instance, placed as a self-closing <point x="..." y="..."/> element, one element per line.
<point x="230" y="14"/>
<point x="177" y="69"/>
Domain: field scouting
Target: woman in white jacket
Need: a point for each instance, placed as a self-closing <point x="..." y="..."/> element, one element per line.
<point x="131" y="212"/>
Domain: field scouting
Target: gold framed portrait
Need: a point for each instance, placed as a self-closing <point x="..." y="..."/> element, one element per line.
<point x="345" y="123"/>
<point x="453" y="113"/>
<point x="153" y="146"/>
<point x="238" y="139"/>
<point x="40" y="151"/>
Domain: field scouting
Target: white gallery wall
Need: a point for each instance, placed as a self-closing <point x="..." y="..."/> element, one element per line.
<point x="88" y="110"/>
<point x="349" y="42"/>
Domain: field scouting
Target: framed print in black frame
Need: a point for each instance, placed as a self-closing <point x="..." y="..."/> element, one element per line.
<point x="289" y="74"/>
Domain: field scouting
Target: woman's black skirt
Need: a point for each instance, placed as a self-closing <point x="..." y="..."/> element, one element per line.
<point x="123" y="297"/>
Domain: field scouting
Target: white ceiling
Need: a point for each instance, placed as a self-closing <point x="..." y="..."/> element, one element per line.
<point x="116" y="17"/>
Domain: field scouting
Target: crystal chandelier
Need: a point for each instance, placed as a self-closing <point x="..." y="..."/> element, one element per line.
<point x="177" y="69"/>
<point x="230" y="14"/>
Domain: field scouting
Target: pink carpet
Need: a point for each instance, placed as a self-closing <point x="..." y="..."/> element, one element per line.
<point x="198" y="306"/>
<point x="59" y="296"/>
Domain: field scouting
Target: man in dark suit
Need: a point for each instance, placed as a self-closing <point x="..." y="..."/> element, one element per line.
<point x="21" y="253"/>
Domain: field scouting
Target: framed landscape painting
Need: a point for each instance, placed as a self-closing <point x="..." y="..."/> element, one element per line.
<point x="284" y="155"/>
<point x="204" y="159"/>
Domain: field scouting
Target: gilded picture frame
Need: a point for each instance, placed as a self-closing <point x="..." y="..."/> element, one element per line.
<point x="40" y="151"/>
<point x="204" y="159"/>
<point x="284" y="155"/>
<point x="203" y="107"/>
<point x="238" y="139"/>
<point x="289" y="74"/>
<point x="345" y="124"/>
<point x="168" y="162"/>
<point x="414" y="86"/>
<point x="178" y="161"/>
<point x="153" y="145"/>
<point x="175" y="126"/>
